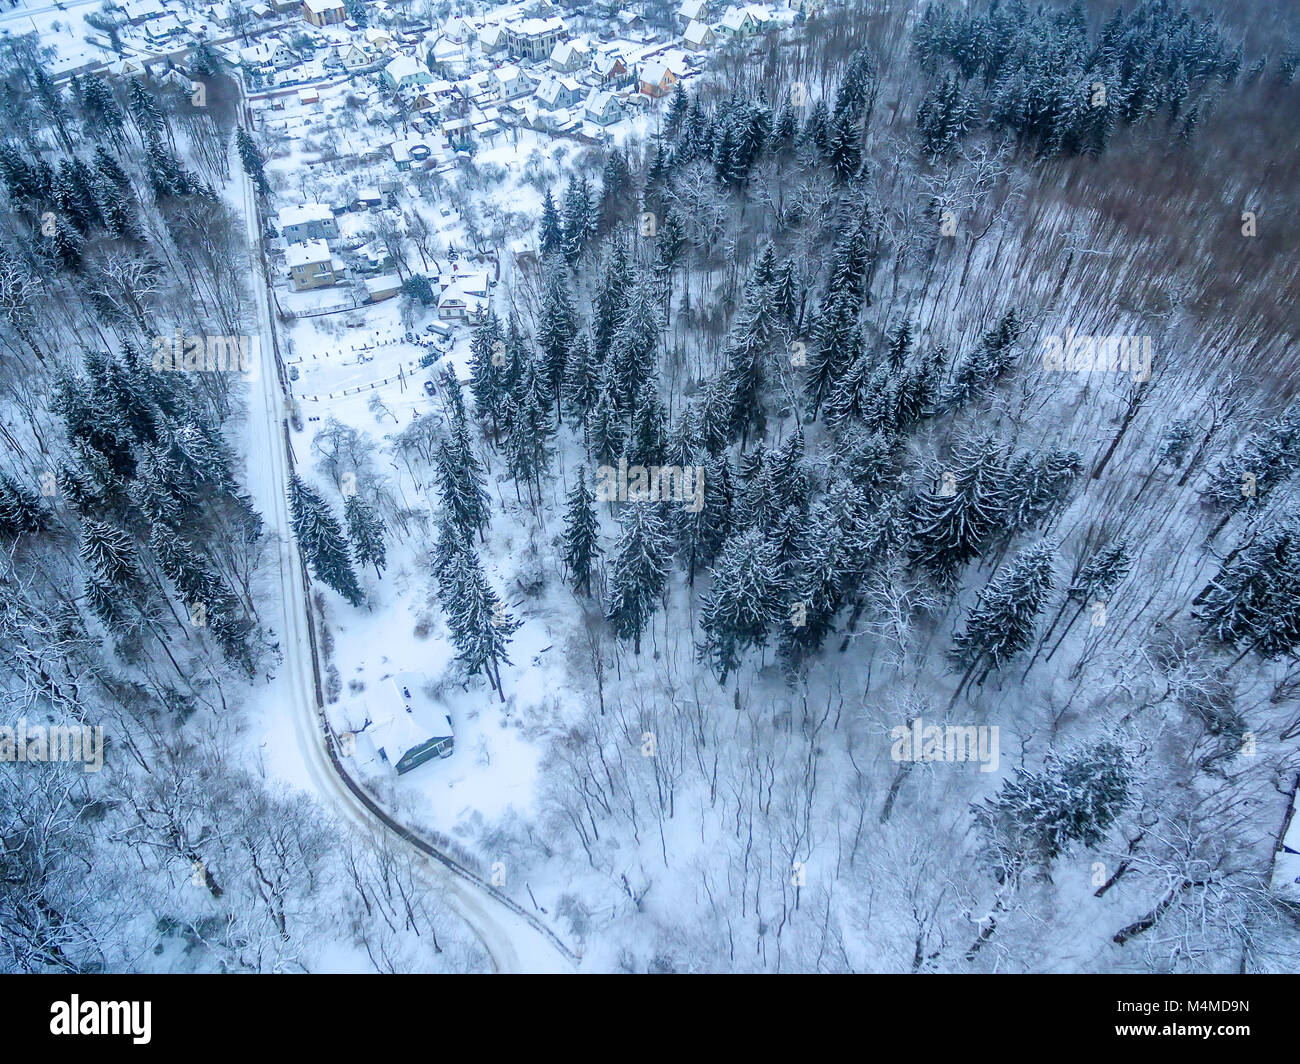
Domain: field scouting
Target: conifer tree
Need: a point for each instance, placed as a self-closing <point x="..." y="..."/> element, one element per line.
<point x="746" y="599"/>
<point x="1001" y="624"/>
<point x="581" y="538"/>
<point x="638" y="572"/>
<point x="366" y="531"/>
<point x="321" y="541"/>
<point x="954" y="521"/>
<point x="481" y="628"/>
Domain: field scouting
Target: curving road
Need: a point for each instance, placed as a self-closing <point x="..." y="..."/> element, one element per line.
<point x="514" y="941"/>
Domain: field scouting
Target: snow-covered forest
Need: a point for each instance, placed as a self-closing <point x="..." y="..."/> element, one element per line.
<point x="859" y="532"/>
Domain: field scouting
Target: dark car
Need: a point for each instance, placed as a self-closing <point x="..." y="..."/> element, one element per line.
<point x="428" y="387"/>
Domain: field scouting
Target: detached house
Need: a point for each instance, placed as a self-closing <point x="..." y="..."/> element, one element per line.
<point x="656" y="79"/>
<point x="534" y="38"/>
<point x="744" y="21"/>
<point x="609" y="68"/>
<point x="693" y="11"/>
<point x="568" y="56"/>
<point x="555" y="94"/>
<point x="602" y="107"/>
<point x="698" y="36"/>
<point x="406" y="72"/>
<point x="465" y="297"/>
<point x="323" y="12"/>
<point x="511" y="82"/>
<point x="310" y="265"/>
<point x="307" y="221"/>
<point x="405" y="727"/>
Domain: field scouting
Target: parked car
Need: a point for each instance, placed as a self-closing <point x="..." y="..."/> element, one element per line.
<point x="429" y="388"/>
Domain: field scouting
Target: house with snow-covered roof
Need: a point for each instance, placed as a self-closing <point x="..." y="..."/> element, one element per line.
<point x="404" y="725"/>
<point x="602" y="107"/>
<point x="323" y="12"/>
<point x="310" y="265"/>
<point x="406" y="72"/>
<point x="534" y="38"/>
<point x="307" y="221"/>
<point x="570" y="56"/>
<point x="555" y="94"/>
<point x="511" y="82"/>
<point x="693" y="11"/>
<point x="657" y="78"/>
<point x="697" y="37"/>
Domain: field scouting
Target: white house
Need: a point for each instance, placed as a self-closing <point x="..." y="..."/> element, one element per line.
<point x="511" y="82"/>
<point x="465" y="297"/>
<point x="693" y="11"/>
<point x="492" y="38"/>
<point x="602" y="107"/>
<point x="534" y="38"/>
<point x="323" y="12"/>
<point x="406" y="72"/>
<point x="307" y="221"/>
<point x="568" y="56"/>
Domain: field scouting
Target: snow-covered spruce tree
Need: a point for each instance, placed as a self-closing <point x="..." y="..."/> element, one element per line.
<point x="944" y="116"/>
<point x="985" y="366"/>
<point x="1037" y="484"/>
<point x="581" y="376"/>
<point x="21" y="511"/>
<point x="550" y="238"/>
<point x="529" y="431"/>
<point x="1001" y="624"/>
<point x="638" y="571"/>
<point x="322" y="542"/>
<point x="250" y="155"/>
<point x="613" y="286"/>
<point x="606" y="431"/>
<point x="747" y="597"/>
<point x="755" y="332"/>
<point x="205" y="595"/>
<point x="817" y="582"/>
<point x="1253" y="604"/>
<point x="580" y="219"/>
<point x="480" y="625"/>
<point x="461" y="480"/>
<point x="1245" y="479"/>
<point x="1039" y="815"/>
<point x="366" y="532"/>
<point x="487" y="376"/>
<point x="581" y="537"/>
<point x="701" y="534"/>
<point x="953" y="521"/>
<point x="631" y="355"/>
<point x="557" y="324"/>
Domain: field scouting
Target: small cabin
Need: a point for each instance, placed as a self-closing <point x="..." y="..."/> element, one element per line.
<point x="407" y="726"/>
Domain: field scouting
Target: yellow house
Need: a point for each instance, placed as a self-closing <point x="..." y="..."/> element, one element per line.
<point x="323" y="12"/>
<point x="310" y="265"/>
